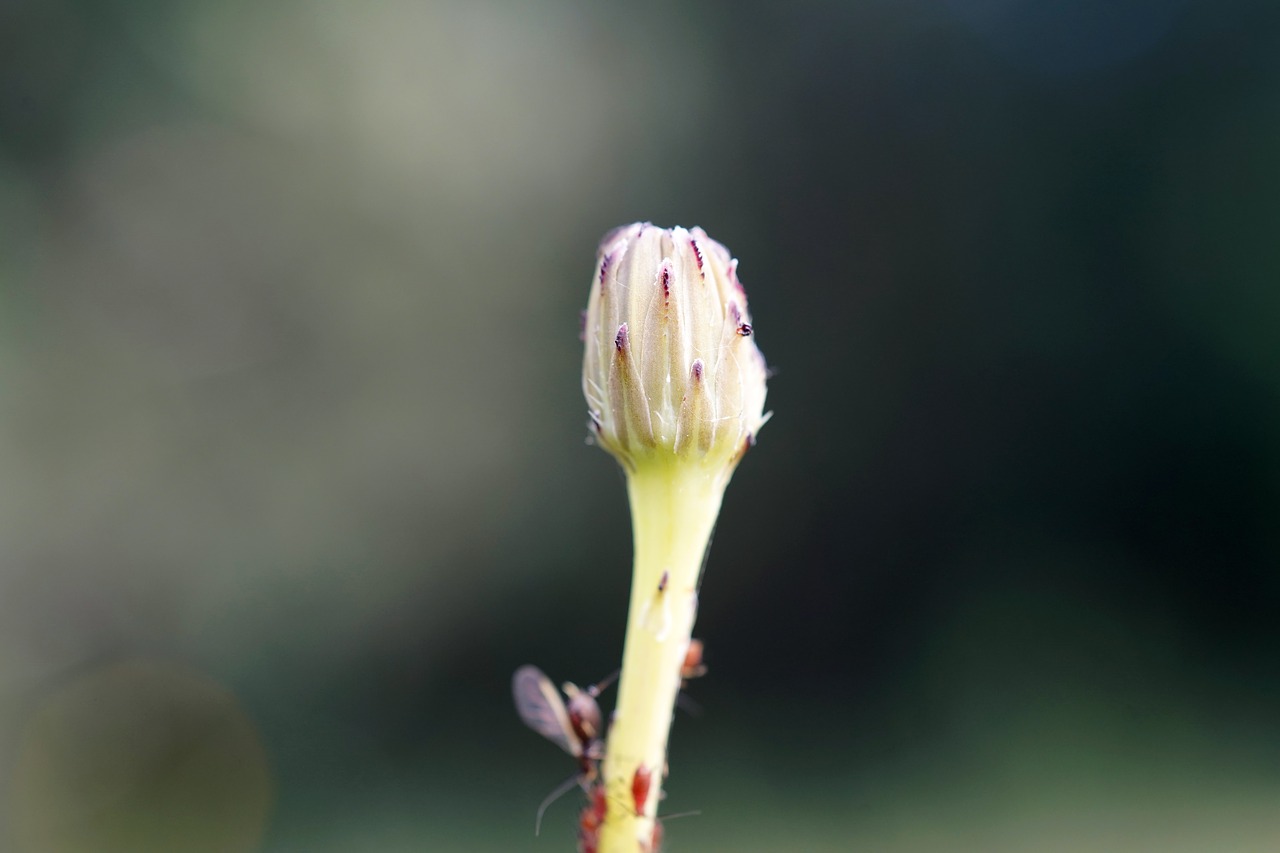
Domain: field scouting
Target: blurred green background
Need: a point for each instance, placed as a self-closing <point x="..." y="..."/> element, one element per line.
<point x="292" y="443"/>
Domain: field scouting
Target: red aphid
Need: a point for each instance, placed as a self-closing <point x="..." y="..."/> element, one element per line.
<point x="591" y="819"/>
<point x="640" y="784"/>
<point x="692" y="666"/>
<point x="655" y="838"/>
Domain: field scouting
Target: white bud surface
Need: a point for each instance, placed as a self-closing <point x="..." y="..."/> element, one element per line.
<point x="671" y="368"/>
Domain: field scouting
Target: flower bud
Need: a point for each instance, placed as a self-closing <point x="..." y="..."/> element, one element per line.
<point x="671" y="367"/>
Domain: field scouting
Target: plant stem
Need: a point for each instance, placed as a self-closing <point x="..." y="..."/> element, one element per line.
<point x="674" y="506"/>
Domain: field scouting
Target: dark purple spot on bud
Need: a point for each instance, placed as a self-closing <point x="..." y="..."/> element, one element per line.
<point x="620" y="340"/>
<point x="744" y="329"/>
<point x="696" y="371"/>
<point x="595" y="421"/>
<point x="662" y="582"/>
<point x="751" y="439"/>
<point x="604" y="268"/>
<point x="697" y="253"/>
<point x="666" y="283"/>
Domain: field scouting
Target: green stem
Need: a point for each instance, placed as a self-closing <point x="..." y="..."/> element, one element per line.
<point x="673" y="511"/>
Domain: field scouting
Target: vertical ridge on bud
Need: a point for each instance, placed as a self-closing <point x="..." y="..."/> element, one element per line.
<point x="653" y="371"/>
<point x="695" y="427"/>
<point x="670" y="364"/>
<point x="626" y="391"/>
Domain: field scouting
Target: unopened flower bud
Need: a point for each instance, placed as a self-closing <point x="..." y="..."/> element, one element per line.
<point x="671" y="367"/>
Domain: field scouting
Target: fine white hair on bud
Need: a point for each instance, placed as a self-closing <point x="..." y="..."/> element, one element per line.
<point x="671" y="367"/>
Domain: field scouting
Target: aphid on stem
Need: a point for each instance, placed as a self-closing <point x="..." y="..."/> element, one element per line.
<point x="655" y="838"/>
<point x="641" y="782"/>
<point x="596" y="810"/>
<point x="591" y="819"/>
<point x="692" y="667"/>
<point x="575" y="726"/>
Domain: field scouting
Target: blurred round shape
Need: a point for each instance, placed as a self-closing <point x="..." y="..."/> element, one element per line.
<point x="136" y="757"/>
<point x="1068" y="38"/>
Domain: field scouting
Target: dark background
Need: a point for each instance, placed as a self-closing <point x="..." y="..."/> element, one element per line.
<point x="292" y="460"/>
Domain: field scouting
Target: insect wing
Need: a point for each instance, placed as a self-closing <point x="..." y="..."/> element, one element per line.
<point x="539" y="704"/>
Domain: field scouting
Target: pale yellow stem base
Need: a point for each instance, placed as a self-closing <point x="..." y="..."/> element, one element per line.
<point x="673" y="511"/>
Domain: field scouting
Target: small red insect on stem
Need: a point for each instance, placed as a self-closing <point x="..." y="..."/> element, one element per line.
<point x="692" y="666"/>
<point x="655" y="838"/>
<point x="640" y="785"/>
<point x="591" y="819"/>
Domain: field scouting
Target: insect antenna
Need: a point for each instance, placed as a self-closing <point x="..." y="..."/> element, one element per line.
<point x="563" y="788"/>
<point x="603" y="684"/>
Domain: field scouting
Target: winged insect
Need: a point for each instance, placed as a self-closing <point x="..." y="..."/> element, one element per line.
<point x="573" y="723"/>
